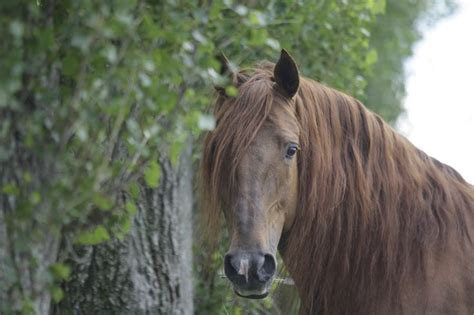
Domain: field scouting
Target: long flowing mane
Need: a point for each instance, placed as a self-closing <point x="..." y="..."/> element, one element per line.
<point x="372" y="207"/>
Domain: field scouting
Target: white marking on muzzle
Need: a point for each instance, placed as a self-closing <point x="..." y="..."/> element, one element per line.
<point x="244" y="269"/>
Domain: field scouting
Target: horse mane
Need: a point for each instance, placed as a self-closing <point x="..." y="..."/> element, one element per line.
<point x="371" y="207"/>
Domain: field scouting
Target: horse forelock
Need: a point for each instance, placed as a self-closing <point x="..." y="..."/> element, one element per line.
<point x="238" y="119"/>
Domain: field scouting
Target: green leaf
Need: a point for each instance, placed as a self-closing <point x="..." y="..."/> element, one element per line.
<point x="371" y="57"/>
<point x="10" y="189"/>
<point x="131" y="208"/>
<point x="376" y="6"/>
<point x="35" y="198"/>
<point x="102" y="202"/>
<point x="175" y="151"/>
<point x="231" y="91"/>
<point x="60" y="271"/>
<point x="57" y="294"/>
<point x="71" y="64"/>
<point x="134" y="190"/>
<point x="125" y="225"/>
<point x="93" y="237"/>
<point x="256" y="18"/>
<point x="152" y="174"/>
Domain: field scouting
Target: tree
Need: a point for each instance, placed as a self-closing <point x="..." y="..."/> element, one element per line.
<point x="148" y="271"/>
<point x="91" y="142"/>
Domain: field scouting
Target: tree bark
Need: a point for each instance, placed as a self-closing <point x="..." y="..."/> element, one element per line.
<point x="28" y="246"/>
<point x="150" y="270"/>
<point x="23" y="274"/>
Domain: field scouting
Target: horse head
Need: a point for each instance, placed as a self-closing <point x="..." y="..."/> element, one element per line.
<point x="252" y="162"/>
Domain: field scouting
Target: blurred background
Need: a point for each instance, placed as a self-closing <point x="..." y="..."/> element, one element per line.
<point x="439" y="111"/>
<point x="103" y="105"/>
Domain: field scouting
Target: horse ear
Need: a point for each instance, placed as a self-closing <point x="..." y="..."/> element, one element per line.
<point x="225" y="70"/>
<point x="286" y="74"/>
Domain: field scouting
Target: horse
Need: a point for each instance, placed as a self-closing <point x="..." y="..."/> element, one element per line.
<point x="365" y="222"/>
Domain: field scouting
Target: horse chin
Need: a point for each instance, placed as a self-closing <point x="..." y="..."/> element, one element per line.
<point x="252" y="294"/>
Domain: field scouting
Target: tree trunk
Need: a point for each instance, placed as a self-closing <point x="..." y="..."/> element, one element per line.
<point x="28" y="246"/>
<point x="150" y="270"/>
<point x="23" y="274"/>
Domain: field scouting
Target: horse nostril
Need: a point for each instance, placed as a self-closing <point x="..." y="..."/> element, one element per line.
<point x="268" y="268"/>
<point x="229" y="268"/>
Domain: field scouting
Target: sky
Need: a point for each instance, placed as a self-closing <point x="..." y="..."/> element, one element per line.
<point x="439" y="104"/>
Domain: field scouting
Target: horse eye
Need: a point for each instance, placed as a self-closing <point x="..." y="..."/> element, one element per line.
<point x="291" y="151"/>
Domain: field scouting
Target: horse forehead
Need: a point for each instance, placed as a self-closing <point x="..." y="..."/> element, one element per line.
<point x="265" y="142"/>
<point x="272" y="137"/>
<point x="259" y="154"/>
<point x="265" y="147"/>
<point x="279" y="128"/>
<point x="282" y="120"/>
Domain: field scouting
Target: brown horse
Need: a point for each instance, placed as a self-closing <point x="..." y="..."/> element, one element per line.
<point x="366" y="223"/>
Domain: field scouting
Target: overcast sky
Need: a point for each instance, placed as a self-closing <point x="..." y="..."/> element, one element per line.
<point x="440" y="92"/>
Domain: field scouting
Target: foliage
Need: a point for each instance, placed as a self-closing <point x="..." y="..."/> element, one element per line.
<point x="393" y="37"/>
<point x="92" y="95"/>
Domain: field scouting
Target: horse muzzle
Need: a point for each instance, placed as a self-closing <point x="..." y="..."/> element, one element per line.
<point x="251" y="272"/>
